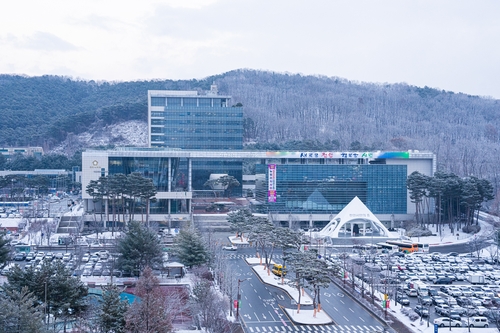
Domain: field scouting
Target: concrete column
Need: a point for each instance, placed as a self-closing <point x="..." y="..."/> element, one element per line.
<point x="190" y="175"/>
<point x="169" y="177"/>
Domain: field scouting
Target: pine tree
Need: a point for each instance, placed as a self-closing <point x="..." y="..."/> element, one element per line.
<point x="111" y="318"/>
<point x="4" y="249"/>
<point x="65" y="294"/>
<point x="139" y="249"/>
<point x="20" y="312"/>
<point x="190" y="248"/>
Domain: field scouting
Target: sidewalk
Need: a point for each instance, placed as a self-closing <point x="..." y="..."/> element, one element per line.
<point x="304" y="316"/>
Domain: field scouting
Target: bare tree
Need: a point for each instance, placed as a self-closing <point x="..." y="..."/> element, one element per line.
<point x="153" y="312"/>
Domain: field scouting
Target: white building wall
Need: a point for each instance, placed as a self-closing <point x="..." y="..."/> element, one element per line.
<point x="92" y="166"/>
<point x="425" y="166"/>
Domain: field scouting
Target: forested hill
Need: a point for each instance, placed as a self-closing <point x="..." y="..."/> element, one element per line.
<point x="322" y="112"/>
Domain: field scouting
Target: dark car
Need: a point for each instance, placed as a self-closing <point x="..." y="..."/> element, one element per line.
<point x="20" y="256"/>
<point x="443" y="289"/>
<point x="443" y="280"/>
<point x="402" y="299"/>
<point x="422" y="310"/>
<point x="433" y="292"/>
<point x="425" y="300"/>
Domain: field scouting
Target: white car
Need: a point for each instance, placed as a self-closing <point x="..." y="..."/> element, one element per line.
<point x="103" y="254"/>
<point x="481" y="310"/>
<point x="86" y="257"/>
<point x="229" y="248"/>
<point x="445" y="322"/>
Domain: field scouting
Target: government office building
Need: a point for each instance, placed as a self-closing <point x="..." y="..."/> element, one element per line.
<point x="196" y="136"/>
<point x="308" y="188"/>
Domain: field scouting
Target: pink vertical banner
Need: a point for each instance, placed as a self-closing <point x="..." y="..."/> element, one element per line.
<point x="271" y="179"/>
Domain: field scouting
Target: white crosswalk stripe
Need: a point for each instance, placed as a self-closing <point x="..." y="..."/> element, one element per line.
<point x="316" y="328"/>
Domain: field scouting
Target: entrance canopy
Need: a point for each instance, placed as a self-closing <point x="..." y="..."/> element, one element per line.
<point x="354" y="220"/>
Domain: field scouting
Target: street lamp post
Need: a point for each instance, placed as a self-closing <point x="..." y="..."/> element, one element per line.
<point x="238" y="298"/>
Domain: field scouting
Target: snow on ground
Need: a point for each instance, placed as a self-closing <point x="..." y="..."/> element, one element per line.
<point x="446" y="237"/>
<point x="304" y="316"/>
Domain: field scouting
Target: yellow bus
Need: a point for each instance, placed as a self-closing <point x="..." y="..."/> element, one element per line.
<point x="406" y="247"/>
<point x="279" y="270"/>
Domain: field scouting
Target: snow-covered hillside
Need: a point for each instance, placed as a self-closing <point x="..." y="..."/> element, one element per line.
<point x="127" y="134"/>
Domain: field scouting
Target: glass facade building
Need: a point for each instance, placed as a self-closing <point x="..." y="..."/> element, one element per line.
<point x="159" y="169"/>
<point x="187" y="120"/>
<point x="288" y="185"/>
<point x="328" y="188"/>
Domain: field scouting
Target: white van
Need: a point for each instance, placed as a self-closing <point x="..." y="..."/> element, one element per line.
<point x="422" y="289"/>
<point x="478" y="322"/>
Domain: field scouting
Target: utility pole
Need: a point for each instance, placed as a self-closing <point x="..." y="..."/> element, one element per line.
<point x="238" y="299"/>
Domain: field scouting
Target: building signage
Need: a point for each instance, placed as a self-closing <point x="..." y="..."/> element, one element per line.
<point x="271" y="181"/>
<point x="339" y="155"/>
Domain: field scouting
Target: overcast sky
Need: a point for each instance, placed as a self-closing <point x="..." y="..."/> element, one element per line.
<point x="447" y="44"/>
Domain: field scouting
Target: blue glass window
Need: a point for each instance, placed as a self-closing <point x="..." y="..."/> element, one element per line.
<point x="157" y="101"/>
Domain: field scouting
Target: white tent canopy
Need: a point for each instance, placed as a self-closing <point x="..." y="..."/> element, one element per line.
<point x="354" y="217"/>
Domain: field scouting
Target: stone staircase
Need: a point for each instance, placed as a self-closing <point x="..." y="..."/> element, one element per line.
<point x="70" y="224"/>
<point x="215" y="222"/>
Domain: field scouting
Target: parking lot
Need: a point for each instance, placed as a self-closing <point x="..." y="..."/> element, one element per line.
<point x="461" y="290"/>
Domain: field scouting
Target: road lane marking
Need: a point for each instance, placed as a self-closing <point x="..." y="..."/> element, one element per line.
<point x="341" y="301"/>
<point x="256" y="316"/>
<point x="345" y="318"/>
<point x="351" y="310"/>
<point x="362" y="319"/>
<point x="335" y="309"/>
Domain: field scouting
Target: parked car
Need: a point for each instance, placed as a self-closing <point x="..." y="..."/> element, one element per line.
<point x="446" y="322"/>
<point x="20" y="256"/>
<point x="403" y="299"/>
<point x="442" y="309"/>
<point x="422" y="310"/>
<point x="86" y="257"/>
<point x="412" y="292"/>
<point x="425" y="300"/>
<point x="30" y="256"/>
<point x="443" y="280"/>
<point x="481" y="310"/>
<point x="478" y="322"/>
<point x="103" y="254"/>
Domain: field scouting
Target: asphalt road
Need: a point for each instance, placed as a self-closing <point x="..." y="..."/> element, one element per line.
<point x="261" y="305"/>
